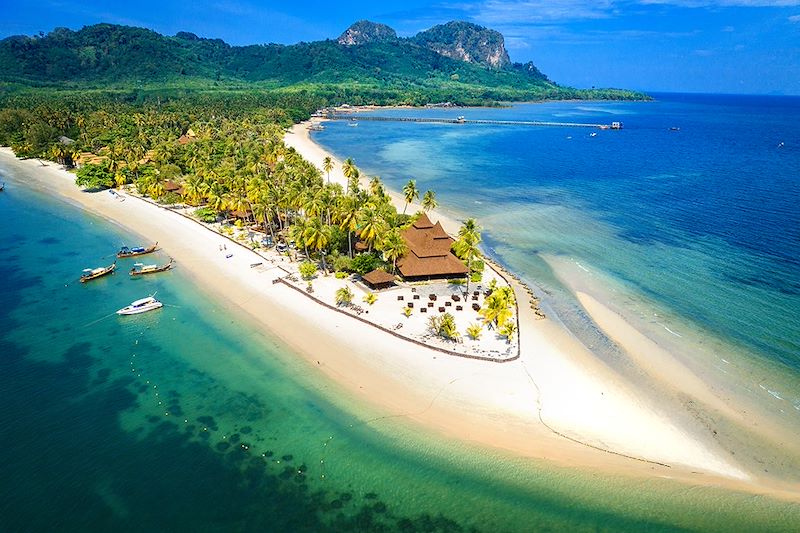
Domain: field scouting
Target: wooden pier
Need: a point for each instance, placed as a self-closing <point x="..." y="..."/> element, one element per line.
<point x="462" y="120"/>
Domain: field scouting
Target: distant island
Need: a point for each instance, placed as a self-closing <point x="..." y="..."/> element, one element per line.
<point x="456" y="62"/>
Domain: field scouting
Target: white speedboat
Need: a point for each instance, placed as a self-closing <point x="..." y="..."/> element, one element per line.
<point x="140" y="306"/>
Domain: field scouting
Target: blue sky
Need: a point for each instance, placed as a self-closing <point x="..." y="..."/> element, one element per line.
<point x="738" y="46"/>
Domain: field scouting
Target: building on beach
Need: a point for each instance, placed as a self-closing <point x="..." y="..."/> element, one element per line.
<point x="429" y="255"/>
<point x="378" y="279"/>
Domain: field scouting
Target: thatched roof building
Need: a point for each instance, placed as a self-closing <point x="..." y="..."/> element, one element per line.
<point x="429" y="254"/>
<point x="171" y="186"/>
<point x="378" y="279"/>
<point x="187" y="137"/>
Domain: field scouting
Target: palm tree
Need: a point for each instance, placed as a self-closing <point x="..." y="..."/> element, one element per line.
<point x="371" y="225"/>
<point x="194" y="189"/>
<point x="394" y="247"/>
<point x="429" y="201"/>
<point x="216" y="196"/>
<point x="347" y="215"/>
<point x="466" y="247"/>
<point x="297" y="232"/>
<point x="410" y="192"/>
<point x="317" y="235"/>
<point x="344" y="296"/>
<point x="350" y="172"/>
<point x="376" y="187"/>
<point x="497" y="308"/>
<point x="474" y="331"/>
<point x="327" y="166"/>
<point x="508" y="329"/>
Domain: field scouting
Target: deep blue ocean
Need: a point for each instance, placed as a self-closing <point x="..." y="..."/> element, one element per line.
<point x="191" y="418"/>
<point x="687" y="220"/>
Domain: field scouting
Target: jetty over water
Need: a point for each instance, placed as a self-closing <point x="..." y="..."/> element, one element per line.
<point x="462" y="120"/>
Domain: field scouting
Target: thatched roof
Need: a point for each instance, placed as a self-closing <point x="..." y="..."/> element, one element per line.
<point x="187" y="137"/>
<point x="85" y="158"/>
<point x="378" y="278"/>
<point x="242" y="214"/>
<point x="429" y="252"/>
<point x="171" y="186"/>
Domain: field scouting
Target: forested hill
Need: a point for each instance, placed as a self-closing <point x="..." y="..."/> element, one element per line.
<point x="457" y="61"/>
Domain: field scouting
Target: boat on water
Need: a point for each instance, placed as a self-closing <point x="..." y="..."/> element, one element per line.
<point x="139" y="250"/>
<point x="140" y="306"/>
<point x="140" y="269"/>
<point x="94" y="273"/>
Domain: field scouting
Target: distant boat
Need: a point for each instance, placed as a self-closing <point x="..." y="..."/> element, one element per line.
<point x="140" y="306"/>
<point x="674" y="128"/>
<point x="131" y="252"/>
<point x="94" y="273"/>
<point x="150" y="269"/>
<point x="593" y="134"/>
<point x="353" y="124"/>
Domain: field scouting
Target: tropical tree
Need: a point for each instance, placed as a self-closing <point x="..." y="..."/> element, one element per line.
<point x="444" y="326"/>
<point x="498" y="307"/>
<point x="297" y="232"/>
<point x="394" y="247"/>
<point x="376" y="187"/>
<point x="327" y="166"/>
<point x="370" y="298"/>
<point x="307" y="269"/>
<point x="317" y="236"/>
<point x="466" y="247"/>
<point x="429" y="201"/>
<point x="410" y="193"/>
<point x="474" y="331"/>
<point x="371" y="225"/>
<point x="94" y="177"/>
<point x="347" y="215"/>
<point x="508" y="329"/>
<point x="351" y="173"/>
<point x="344" y="296"/>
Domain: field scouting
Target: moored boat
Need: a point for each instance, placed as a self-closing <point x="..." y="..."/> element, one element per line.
<point x="139" y="250"/>
<point x="94" y="273"/>
<point x="140" y="306"/>
<point x="150" y="269"/>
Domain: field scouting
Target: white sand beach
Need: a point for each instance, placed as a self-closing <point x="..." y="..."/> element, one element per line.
<point x="556" y="402"/>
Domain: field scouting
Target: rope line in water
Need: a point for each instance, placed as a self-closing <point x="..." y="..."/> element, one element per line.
<point x="99" y="319"/>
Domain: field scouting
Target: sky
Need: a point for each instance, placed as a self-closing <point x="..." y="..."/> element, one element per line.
<point x="712" y="46"/>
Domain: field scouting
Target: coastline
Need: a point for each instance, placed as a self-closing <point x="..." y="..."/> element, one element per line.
<point x="465" y="400"/>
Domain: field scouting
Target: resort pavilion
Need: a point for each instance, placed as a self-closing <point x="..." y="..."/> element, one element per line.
<point x="378" y="279"/>
<point x="429" y="255"/>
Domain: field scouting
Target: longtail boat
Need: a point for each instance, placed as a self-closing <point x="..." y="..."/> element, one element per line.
<point x="150" y="269"/>
<point x="131" y="252"/>
<point x="94" y="273"/>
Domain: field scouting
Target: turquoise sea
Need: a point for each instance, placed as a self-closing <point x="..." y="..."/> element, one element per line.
<point x="687" y="221"/>
<point x="192" y="418"/>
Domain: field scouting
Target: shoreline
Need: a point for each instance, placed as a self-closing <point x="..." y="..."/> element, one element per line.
<point x="465" y="400"/>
